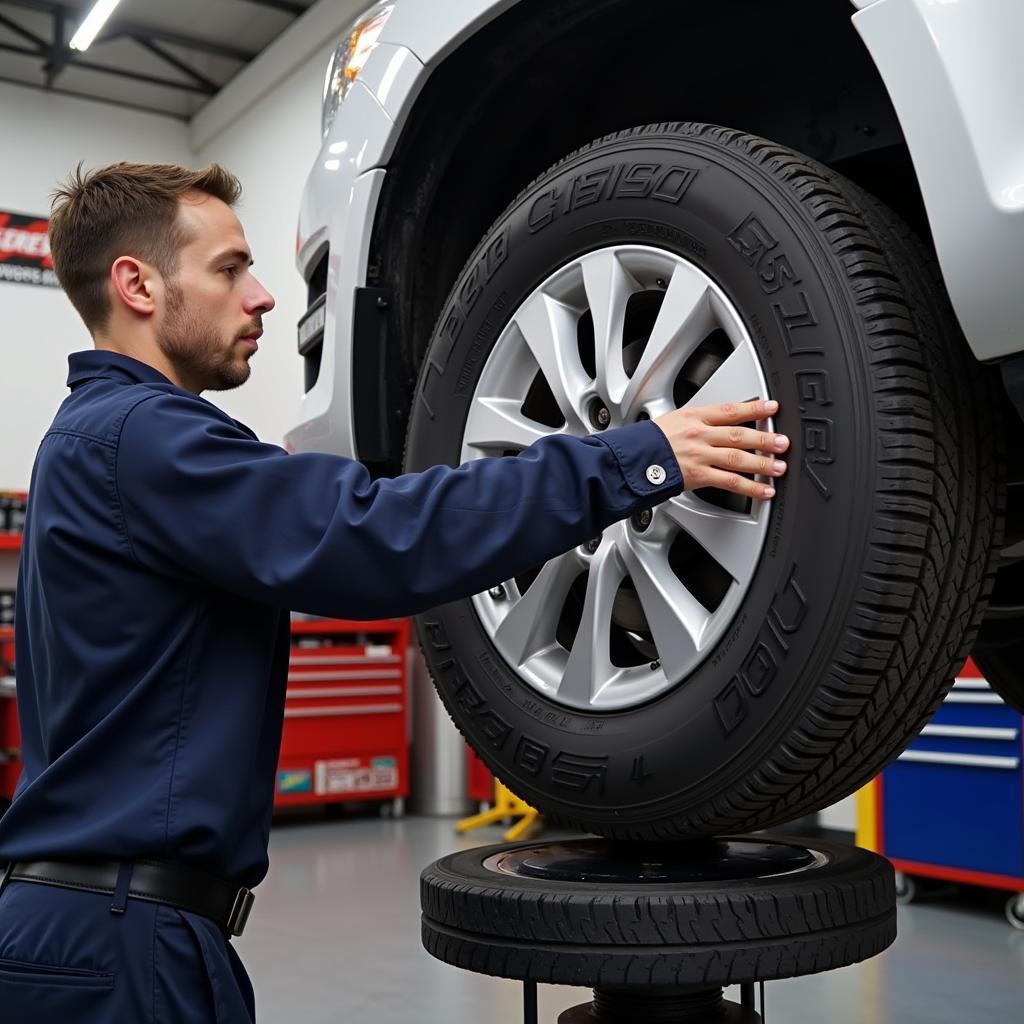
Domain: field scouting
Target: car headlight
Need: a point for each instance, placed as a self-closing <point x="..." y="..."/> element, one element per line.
<point x="350" y="56"/>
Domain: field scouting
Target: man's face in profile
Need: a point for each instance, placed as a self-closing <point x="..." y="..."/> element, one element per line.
<point x="212" y="316"/>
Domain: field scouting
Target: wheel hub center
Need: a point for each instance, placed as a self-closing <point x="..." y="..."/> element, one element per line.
<point x="636" y="863"/>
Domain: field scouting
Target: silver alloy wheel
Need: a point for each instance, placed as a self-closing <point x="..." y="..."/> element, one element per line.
<point x="638" y="596"/>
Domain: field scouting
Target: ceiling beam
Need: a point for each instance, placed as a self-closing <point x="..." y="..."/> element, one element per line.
<point x="117" y="28"/>
<point x="87" y="97"/>
<point x="19" y="30"/>
<point x="61" y="54"/>
<point x="169" y="58"/>
<point x="25" y="51"/>
<point x="108" y="69"/>
<point x="281" y="5"/>
<point x="138" y="76"/>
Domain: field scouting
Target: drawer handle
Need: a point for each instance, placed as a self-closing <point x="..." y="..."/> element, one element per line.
<point x="968" y="760"/>
<point x="970" y="732"/>
<point x="344" y="691"/>
<point x="380" y="673"/>
<point x="354" y="709"/>
<point x="973" y="697"/>
<point x="970" y="683"/>
<point x="343" y="659"/>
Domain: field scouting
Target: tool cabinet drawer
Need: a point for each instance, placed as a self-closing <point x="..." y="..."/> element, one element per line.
<point x="954" y="796"/>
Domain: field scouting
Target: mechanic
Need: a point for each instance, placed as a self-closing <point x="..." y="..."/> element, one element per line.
<point x="164" y="547"/>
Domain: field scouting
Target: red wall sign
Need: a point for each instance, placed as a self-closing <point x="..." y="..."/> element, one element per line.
<point x="25" y="250"/>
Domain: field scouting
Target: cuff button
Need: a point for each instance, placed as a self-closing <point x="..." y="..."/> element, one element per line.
<point x="655" y="475"/>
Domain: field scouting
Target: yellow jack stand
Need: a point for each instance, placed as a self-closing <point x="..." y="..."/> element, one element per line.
<point x="506" y="805"/>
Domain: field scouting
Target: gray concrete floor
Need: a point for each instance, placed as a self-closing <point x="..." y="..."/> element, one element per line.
<point x="334" y="939"/>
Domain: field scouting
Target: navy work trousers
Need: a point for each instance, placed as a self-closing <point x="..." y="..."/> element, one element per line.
<point x="66" y="959"/>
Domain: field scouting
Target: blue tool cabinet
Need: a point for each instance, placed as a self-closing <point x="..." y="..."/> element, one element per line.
<point x="952" y="805"/>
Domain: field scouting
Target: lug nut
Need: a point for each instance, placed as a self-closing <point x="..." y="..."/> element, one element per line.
<point x="593" y="544"/>
<point x="643" y="518"/>
<point x="498" y="592"/>
<point x="643" y="415"/>
<point x="600" y="416"/>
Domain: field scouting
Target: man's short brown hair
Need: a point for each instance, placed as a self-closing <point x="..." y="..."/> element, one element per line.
<point x="123" y="210"/>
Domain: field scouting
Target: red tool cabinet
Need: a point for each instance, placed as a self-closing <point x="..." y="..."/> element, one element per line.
<point x="346" y="719"/>
<point x="479" y="780"/>
<point x="346" y="728"/>
<point x="10" y="744"/>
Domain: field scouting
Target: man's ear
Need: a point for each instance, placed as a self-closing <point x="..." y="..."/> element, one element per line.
<point x="135" y="285"/>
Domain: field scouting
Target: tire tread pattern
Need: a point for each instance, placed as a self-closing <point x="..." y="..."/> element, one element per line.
<point x="600" y="934"/>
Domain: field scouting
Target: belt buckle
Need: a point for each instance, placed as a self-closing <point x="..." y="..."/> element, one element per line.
<point x="240" y="911"/>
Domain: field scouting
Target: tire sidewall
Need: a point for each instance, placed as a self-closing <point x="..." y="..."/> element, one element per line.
<point x="753" y="237"/>
<point x="837" y="863"/>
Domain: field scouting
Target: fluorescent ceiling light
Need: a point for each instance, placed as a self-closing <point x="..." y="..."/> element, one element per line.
<point x="94" y="21"/>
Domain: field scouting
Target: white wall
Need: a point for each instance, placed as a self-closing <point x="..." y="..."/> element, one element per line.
<point x="271" y="148"/>
<point x="44" y="136"/>
<point x="264" y="126"/>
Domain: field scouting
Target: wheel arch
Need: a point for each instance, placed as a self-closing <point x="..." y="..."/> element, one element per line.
<point x="451" y="176"/>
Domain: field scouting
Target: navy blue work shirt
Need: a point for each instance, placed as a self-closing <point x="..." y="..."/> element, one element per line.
<point x="163" y="548"/>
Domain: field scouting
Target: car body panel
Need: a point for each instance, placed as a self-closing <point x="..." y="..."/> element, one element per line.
<point x="955" y="77"/>
<point x="952" y="72"/>
<point x="432" y="31"/>
<point x="338" y="206"/>
<point x="325" y="414"/>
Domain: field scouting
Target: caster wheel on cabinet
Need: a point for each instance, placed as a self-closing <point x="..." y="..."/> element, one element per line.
<point x="906" y="889"/>
<point x="1015" y="910"/>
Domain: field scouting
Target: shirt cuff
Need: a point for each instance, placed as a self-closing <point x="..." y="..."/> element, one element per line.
<point x="646" y="459"/>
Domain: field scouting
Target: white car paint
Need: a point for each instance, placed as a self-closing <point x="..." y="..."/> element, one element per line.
<point x="338" y="207"/>
<point x="954" y="76"/>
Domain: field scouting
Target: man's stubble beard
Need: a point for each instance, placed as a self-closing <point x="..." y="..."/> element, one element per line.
<point x="187" y="344"/>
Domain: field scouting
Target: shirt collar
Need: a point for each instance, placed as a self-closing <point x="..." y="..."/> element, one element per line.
<point x="89" y="365"/>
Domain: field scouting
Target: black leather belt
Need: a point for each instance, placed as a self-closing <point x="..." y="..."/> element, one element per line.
<point x="169" y="883"/>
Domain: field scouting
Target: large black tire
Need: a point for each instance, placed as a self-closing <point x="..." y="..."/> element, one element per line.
<point x="870" y="587"/>
<point x="837" y="912"/>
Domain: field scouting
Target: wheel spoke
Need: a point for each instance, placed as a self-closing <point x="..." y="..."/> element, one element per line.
<point x="736" y="380"/>
<point x="499" y="423"/>
<point x="608" y="286"/>
<point x="549" y="329"/>
<point x="731" y="538"/>
<point x="685" y="319"/>
<point x="529" y="625"/>
<point x="542" y="339"/>
<point x="676" y="618"/>
<point x="589" y="664"/>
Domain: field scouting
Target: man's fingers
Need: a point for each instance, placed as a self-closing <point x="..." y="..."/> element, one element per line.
<point x="735" y="461"/>
<point x="717" y="447"/>
<point x="745" y="437"/>
<point x="735" y="483"/>
<point x="738" y="412"/>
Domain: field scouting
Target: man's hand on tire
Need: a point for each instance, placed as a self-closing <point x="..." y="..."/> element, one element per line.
<point x="713" y="449"/>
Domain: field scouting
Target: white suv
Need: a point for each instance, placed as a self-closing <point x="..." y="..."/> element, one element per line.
<point x="526" y="218"/>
